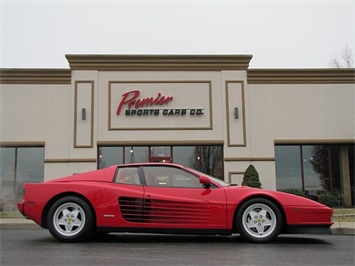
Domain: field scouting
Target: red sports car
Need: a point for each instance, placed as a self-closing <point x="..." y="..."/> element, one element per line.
<point x="166" y="198"/>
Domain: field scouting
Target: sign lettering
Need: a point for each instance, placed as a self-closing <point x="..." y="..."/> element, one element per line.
<point x="136" y="106"/>
<point x="131" y="99"/>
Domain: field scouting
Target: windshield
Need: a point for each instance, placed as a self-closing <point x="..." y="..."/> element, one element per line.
<point x="213" y="179"/>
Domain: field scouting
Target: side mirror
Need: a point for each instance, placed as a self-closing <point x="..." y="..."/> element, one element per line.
<point x="205" y="181"/>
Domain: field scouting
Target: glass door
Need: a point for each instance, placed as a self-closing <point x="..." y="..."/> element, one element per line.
<point x="160" y="154"/>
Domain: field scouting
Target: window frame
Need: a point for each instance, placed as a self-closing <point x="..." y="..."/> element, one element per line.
<point x="171" y="182"/>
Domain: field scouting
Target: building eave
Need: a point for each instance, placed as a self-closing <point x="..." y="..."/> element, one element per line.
<point x="34" y="76"/>
<point x="159" y="62"/>
<point x="302" y="76"/>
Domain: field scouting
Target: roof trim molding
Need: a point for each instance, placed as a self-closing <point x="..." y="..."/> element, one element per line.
<point x="35" y="76"/>
<point x="159" y="62"/>
<point x="301" y="76"/>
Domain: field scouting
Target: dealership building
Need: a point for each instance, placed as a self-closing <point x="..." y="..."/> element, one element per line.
<point x="208" y="112"/>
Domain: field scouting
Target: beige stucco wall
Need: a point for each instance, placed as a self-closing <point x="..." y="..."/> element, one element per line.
<point x="38" y="114"/>
<point x="298" y="113"/>
<point x="268" y="114"/>
<point x="304" y="111"/>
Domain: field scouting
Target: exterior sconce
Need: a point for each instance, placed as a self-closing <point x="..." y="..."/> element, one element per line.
<point x="83" y="113"/>
<point x="236" y="113"/>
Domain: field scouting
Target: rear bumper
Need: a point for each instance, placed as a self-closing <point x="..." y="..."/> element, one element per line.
<point x="21" y="207"/>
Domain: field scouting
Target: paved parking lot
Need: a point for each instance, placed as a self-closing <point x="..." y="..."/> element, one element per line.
<point x="38" y="247"/>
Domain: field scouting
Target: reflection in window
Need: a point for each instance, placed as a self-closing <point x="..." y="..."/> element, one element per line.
<point x="288" y="167"/>
<point x="160" y="151"/>
<point x="170" y="177"/>
<point x="136" y="154"/>
<point x="207" y="159"/>
<point x="110" y="156"/>
<point x="127" y="175"/>
<point x="183" y="155"/>
<point x="30" y="166"/>
<point x="312" y="168"/>
<point x="325" y="162"/>
<point x="18" y="165"/>
<point x="312" y="175"/>
<point x="7" y="179"/>
<point x="7" y="165"/>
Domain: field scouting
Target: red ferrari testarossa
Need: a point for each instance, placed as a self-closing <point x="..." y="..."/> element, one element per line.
<point x="166" y="198"/>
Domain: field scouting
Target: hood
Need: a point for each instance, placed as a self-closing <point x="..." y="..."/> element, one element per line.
<point x="285" y="199"/>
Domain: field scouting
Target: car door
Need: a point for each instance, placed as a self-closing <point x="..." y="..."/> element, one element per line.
<point x="174" y="198"/>
<point x="130" y="196"/>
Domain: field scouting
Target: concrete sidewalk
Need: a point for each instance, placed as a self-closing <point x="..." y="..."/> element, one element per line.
<point x="338" y="228"/>
<point x="343" y="228"/>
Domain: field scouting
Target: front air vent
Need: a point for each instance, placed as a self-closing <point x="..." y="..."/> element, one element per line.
<point x="131" y="209"/>
<point x="173" y="212"/>
<point x="163" y="211"/>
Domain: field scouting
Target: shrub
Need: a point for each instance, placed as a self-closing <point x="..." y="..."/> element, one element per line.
<point x="251" y="177"/>
<point x="328" y="199"/>
<point x="294" y="191"/>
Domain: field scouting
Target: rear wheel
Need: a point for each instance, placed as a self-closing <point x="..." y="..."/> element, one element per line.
<point x="259" y="220"/>
<point x="70" y="219"/>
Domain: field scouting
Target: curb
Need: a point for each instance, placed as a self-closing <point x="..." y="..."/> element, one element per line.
<point x="17" y="223"/>
<point x="343" y="231"/>
<point x="343" y="228"/>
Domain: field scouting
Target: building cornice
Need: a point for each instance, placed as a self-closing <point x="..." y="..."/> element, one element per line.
<point x="177" y="63"/>
<point x="34" y="76"/>
<point x="159" y="62"/>
<point x="302" y="76"/>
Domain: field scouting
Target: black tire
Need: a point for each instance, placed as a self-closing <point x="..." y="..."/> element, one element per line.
<point x="258" y="220"/>
<point x="70" y="219"/>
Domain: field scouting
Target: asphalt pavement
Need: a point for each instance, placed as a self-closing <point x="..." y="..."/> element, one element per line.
<point x="338" y="228"/>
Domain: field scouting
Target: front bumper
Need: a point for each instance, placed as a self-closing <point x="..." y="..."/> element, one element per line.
<point x="311" y="229"/>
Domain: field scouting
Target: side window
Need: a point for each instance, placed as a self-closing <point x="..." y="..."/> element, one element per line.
<point x="160" y="176"/>
<point x="127" y="175"/>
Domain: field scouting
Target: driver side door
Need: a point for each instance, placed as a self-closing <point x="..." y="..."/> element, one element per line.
<point x="175" y="198"/>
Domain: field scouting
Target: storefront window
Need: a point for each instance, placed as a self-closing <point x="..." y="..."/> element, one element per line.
<point x="184" y="155"/>
<point x="18" y="165"/>
<point x="7" y="179"/>
<point x="313" y="169"/>
<point x="325" y="162"/>
<point x="288" y="167"/>
<point x="160" y="154"/>
<point x="312" y="175"/>
<point x="136" y="154"/>
<point x="160" y="151"/>
<point x="207" y="159"/>
<point x="110" y="156"/>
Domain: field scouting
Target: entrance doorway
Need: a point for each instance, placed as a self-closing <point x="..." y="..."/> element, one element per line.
<point x="160" y="154"/>
<point x="204" y="158"/>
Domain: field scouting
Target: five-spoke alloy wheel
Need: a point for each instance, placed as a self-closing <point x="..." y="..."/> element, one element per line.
<point x="259" y="220"/>
<point x="70" y="219"/>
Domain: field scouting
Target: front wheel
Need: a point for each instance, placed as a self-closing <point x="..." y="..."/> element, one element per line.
<point x="258" y="220"/>
<point x="70" y="219"/>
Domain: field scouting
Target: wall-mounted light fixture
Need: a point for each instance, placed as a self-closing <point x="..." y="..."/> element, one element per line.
<point x="83" y="113"/>
<point x="236" y="113"/>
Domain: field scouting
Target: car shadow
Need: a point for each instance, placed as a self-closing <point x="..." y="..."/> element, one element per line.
<point x="202" y="239"/>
